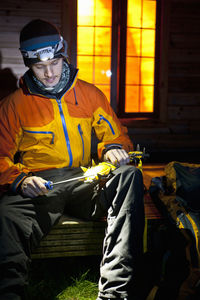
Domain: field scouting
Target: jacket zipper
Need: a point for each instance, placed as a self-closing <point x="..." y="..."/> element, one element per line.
<point x="65" y="132"/>
<point x="106" y="120"/>
<point x="42" y="132"/>
<point x="81" y="135"/>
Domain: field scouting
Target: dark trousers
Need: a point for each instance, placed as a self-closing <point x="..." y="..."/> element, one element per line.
<point x="24" y="222"/>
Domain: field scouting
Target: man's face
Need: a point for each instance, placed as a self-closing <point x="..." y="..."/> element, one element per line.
<point x="48" y="72"/>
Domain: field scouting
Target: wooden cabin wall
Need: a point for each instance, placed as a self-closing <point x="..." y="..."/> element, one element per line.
<point x="175" y="134"/>
<point x="14" y="14"/>
<point x="177" y="126"/>
<point x="184" y="73"/>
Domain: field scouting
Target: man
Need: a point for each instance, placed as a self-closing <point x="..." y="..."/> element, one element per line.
<point x="48" y="123"/>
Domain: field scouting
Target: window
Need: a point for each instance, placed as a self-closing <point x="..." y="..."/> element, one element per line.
<point x="116" y="51"/>
<point x="140" y="56"/>
<point x="94" y="25"/>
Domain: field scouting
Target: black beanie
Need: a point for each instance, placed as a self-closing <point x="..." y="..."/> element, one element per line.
<point x="40" y="34"/>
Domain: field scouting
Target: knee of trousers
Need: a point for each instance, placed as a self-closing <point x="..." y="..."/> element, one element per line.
<point x="125" y="188"/>
<point x="128" y="171"/>
<point x="15" y="221"/>
<point x="7" y="210"/>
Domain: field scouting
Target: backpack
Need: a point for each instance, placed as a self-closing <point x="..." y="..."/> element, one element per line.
<point x="177" y="196"/>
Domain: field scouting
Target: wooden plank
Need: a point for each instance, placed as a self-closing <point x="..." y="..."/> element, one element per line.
<point x="184" y="84"/>
<point x="178" y="142"/>
<point x="149" y="130"/>
<point x="164" y="57"/>
<point x="18" y="5"/>
<point x="184" y="69"/>
<point x="84" y="241"/>
<point x="185" y="24"/>
<point x="179" y="127"/>
<point x="11" y="54"/>
<point x="73" y="221"/>
<point x="184" y="55"/>
<point x="10" y="40"/>
<point x="187" y="8"/>
<point x="71" y="237"/>
<point x="67" y="254"/>
<point x="185" y="40"/>
<point x="69" y="28"/>
<point x="184" y="99"/>
<point x="194" y="126"/>
<point x="67" y="247"/>
<point x="65" y="230"/>
<point x="168" y="142"/>
<point x="150" y="171"/>
<point x="68" y="235"/>
<point x="184" y="113"/>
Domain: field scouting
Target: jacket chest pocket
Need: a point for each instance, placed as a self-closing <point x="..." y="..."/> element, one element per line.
<point x="103" y="119"/>
<point x="33" y="138"/>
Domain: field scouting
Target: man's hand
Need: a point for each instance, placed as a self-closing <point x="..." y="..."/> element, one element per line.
<point x="33" y="186"/>
<point x="117" y="157"/>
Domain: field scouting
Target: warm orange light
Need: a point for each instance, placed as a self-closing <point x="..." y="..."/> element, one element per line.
<point x="94" y="49"/>
<point x="133" y="42"/>
<point x="148" y="42"/>
<point x="147" y="92"/>
<point x="85" y="36"/>
<point x="103" y="13"/>
<point x="147" y="71"/>
<point x="85" y="16"/>
<point x="102" y="70"/>
<point x="132" y="92"/>
<point x="94" y="42"/>
<point x="133" y="70"/>
<point x="102" y="41"/>
<point x="134" y="13"/>
<point x="149" y="14"/>
<point x="140" y="56"/>
<point x="85" y="65"/>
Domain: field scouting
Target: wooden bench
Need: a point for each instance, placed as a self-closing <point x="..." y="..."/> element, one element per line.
<point x="75" y="237"/>
<point x="72" y="237"/>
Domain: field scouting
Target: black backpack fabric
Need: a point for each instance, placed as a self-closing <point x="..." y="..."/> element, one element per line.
<point x="177" y="196"/>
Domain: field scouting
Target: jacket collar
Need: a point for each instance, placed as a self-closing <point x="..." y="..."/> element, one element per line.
<point x="29" y="87"/>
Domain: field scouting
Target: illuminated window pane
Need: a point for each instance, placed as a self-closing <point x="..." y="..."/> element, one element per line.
<point x="102" y="41"/>
<point x="132" y="95"/>
<point x="133" y="42"/>
<point x="102" y="70"/>
<point x="86" y="69"/>
<point x="147" y="94"/>
<point x="103" y="13"/>
<point x="149" y="14"/>
<point x="148" y="42"/>
<point x="134" y="13"/>
<point x="85" y="37"/>
<point x="140" y="55"/>
<point x="147" y="71"/>
<point x="85" y="14"/>
<point x="105" y="89"/>
<point x="132" y="70"/>
<point x="94" y="42"/>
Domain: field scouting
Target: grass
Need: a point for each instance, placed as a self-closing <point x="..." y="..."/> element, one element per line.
<point x="81" y="289"/>
<point x="64" y="279"/>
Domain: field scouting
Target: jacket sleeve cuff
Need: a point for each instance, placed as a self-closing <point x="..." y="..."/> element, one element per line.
<point x="110" y="147"/>
<point x="16" y="183"/>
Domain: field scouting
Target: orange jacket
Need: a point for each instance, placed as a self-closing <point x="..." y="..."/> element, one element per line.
<point x="50" y="133"/>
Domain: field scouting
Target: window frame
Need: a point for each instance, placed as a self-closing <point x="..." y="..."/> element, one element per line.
<point x="118" y="55"/>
